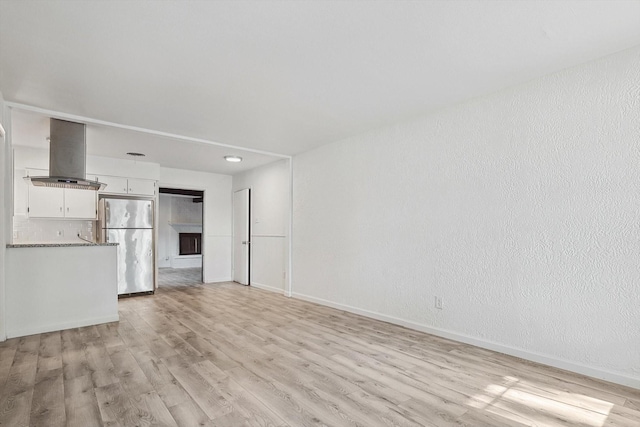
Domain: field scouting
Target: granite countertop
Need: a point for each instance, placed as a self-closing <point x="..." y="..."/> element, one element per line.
<point x="56" y="245"/>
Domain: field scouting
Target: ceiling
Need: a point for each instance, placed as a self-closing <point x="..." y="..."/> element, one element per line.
<point x="285" y="76"/>
<point x="31" y="129"/>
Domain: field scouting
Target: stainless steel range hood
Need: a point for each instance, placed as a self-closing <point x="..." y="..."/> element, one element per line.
<point x="67" y="158"/>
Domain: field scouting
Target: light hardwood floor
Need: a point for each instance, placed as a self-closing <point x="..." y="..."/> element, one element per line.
<point x="179" y="276"/>
<point x="228" y="355"/>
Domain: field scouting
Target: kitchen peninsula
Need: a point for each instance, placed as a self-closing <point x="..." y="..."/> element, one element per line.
<point x="56" y="286"/>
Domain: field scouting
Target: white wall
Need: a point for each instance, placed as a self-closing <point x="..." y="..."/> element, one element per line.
<point x="270" y="207"/>
<point x="217" y="208"/>
<point x="167" y="236"/>
<point x="118" y="167"/>
<point x="185" y="211"/>
<point x="181" y="210"/>
<point x="38" y="158"/>
<point x="520" y="209"/>
<point x="5" y="213"/>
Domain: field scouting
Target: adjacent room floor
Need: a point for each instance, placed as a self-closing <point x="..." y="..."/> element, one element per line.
<point x="230" y="355"/>
<point x="172" y="277"/>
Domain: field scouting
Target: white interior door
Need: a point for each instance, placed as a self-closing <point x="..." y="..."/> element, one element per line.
<point x="241" y="236"/>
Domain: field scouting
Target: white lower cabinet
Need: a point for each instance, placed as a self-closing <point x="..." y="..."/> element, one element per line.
<point x="47" y="202"/>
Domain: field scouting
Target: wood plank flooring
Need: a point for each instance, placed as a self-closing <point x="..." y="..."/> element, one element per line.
<point x="229" y="355"/>
<point x="170" y="277"/>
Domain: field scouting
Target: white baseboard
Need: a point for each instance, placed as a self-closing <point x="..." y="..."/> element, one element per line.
<point x="61" y="326"/>
<point x="219" y="279"/>
<point x="186" y="261"/>
<point x="267" y="287"/>
<point x="544" y="359"/>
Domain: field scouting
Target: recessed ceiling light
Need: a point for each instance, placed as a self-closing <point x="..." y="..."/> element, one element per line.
<point x="234" y="159"/>
<point x="136" y="154"/>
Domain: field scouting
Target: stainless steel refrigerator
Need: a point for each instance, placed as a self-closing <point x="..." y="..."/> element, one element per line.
<point x="129" y="222"/>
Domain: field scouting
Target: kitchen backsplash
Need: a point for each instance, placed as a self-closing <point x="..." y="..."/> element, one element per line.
<point x="51" y="231"/>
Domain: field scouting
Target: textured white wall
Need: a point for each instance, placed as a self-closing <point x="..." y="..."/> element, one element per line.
<point x="520" y="209"/>
<point x="270" y="206"/>
<point x="217" y="208"/>
<point x="5" y="225"/>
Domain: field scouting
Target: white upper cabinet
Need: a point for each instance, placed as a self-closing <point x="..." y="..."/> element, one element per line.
<point x="143" y="187"/>
<point x="115" y="184"/>
<point x="80" y="204"/>
<point x="51" y="202"/>
<point x="131" y="186"/>
<point x="45" y="202"/>
<point x="48" y="202"/>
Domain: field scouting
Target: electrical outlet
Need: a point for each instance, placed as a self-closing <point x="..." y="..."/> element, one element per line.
<point x="438" y="303"/>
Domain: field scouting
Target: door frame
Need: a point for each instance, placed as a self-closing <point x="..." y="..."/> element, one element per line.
<point x="157" y="225"/>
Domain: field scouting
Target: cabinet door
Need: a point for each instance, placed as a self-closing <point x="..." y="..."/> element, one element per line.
<point x="21" y="189"/>
<point x="142" y="187"/>
<point x="20" y="193"/>
<point x="80" y="204"/>
<point x="115" y="184"/>
<point x="46" y="202"/>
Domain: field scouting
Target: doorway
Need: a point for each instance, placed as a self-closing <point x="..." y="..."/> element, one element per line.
<point x="180" y="237"/>
<point x="242" y="236"/>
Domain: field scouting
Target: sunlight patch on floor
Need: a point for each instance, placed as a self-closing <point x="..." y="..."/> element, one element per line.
<point x="491" y="393"/>
<point x="527" y="402"/>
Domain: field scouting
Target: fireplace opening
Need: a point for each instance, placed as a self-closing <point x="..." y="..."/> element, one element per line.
<point x="190" y="243"/>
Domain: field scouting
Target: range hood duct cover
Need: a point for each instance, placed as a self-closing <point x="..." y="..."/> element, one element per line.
<point x="67" y="158"/>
